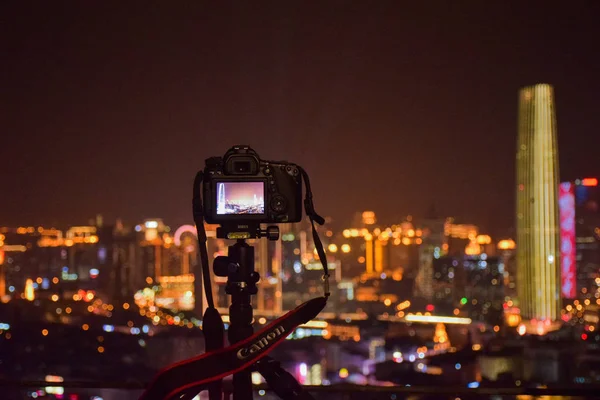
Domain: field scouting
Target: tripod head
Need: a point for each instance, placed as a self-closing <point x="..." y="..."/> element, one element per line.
<point x="238" y="265"/>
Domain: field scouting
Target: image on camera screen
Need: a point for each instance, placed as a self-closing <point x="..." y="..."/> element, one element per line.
<point x="239" y="198"/>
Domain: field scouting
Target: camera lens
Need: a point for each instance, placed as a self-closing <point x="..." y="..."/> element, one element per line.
<point x="242" y="167"/>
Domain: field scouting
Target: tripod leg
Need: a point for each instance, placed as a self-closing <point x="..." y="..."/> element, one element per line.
<point x="281" y="381"/>
<point x="240" y="329"/>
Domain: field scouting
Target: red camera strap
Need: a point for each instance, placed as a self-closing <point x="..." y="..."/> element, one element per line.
<point x="197" y="373"/>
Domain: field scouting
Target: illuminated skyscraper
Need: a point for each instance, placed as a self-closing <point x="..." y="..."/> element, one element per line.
<point x="538" y="251"/>
<point x="221" y="199"/>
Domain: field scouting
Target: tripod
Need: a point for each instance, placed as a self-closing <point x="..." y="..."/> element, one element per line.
<point x="238" y="268"/>
<point x="247" y="351"/>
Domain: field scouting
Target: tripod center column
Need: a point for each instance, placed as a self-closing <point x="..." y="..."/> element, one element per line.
<point x="241" y="284"/>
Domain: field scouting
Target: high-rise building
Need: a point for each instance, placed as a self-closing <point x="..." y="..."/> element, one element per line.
<point x="538" y="250"/>
<point x="580" y="238"/>
<point x="587" y="214"/>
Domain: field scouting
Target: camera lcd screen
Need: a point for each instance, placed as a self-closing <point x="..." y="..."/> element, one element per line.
<point x="240" y="198"/>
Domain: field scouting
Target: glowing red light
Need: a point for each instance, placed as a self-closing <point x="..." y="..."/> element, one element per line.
<point x="589" y="182"/>
<point x="505" y="305"/>
<point x="430" y="307"/>
<point x="584" y="336"/>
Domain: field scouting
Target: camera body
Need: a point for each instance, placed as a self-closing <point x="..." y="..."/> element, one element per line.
<point x="241" y="188"/>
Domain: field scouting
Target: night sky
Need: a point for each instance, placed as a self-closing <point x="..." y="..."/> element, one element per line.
<point x="112" y="109"/>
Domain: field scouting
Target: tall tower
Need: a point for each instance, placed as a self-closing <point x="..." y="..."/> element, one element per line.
<point x="221" y="198"/>
<point x="538" y="251"/>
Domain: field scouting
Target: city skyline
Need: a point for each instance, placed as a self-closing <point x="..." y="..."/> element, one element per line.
<point x="385" y="94"/>
<point x="440" y="161"/>
<point x="117" y="289"/>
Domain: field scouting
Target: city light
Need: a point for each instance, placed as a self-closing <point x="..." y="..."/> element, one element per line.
<point x="315" y="324"/>
<point x="484" y="239"/>
<point x="404" y="305"/>
<point x="29" y="294"/>
<point x="507" y="244"/>
<point x="589" y="182"/>
<point x="368" y="217"/>
<point x="435" y="319"/>
<point x="190" y="229"/>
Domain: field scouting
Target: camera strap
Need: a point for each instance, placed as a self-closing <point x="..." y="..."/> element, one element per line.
<point x="309" y="208"/>
<point x="206" y="371"/>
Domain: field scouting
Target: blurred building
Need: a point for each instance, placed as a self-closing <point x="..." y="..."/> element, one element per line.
<point x="507" y="249"/>
<point x="49" y="257"/>
<point x="448" y="274"/>
<point x="472" y="285"/>
<point x="537" y="205"/>
<point x="484" y="288"/>
<point x="459" y="236"/>
<point x="580" y="238"/>
<point x="294" y="270"/>
<point x="587" y="221"/>
<point x="434" y="246"/>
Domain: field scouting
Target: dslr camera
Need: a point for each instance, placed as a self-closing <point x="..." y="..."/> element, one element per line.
<point x="241" y="188"/>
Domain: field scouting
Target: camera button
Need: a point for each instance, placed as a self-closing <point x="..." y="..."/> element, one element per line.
<point x="278" y="203"/>
<point x="267" y="171"/>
